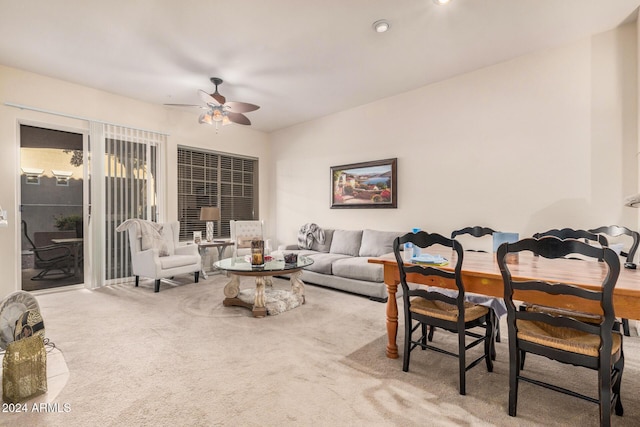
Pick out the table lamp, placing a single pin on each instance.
(209, 214)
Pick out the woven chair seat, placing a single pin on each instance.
(556, 311)
(567, 339)
(442, 310)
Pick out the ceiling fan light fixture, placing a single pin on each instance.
(441, 2)
(206, 118)
(381, 26)
(217, 114)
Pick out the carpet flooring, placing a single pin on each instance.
(180, 358)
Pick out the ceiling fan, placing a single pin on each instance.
(219, 110)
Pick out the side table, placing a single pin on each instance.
(203, 248)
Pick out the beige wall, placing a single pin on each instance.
(545, 140)
(34, 90)
(542, 141)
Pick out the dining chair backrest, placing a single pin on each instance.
(424, 240)
(570, 233)
(617, 231)
(496, 304)
(476, 231)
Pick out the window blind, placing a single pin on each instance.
(130, 189)
(209, 178)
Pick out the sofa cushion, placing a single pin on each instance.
(377, 243)
(346, 242)
(326, 246)
(322, 262)
(358, 268)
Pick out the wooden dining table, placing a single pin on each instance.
(481, 275)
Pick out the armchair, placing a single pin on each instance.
(242, 232)
(160, 256)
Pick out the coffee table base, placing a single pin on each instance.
(256, 300)
(257, 311)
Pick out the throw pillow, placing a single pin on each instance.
(326, 246)
(377, 243)
(346, 242)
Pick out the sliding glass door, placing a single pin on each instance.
(52, 201)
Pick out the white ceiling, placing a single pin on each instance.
(297, 59)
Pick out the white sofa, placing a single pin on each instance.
(341, 262)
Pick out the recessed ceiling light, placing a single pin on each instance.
(439, 2)
(381, 26)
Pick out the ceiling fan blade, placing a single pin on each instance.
(241, 107)
(238, 118)
(221, 99)
(207, 99)
(186, 105)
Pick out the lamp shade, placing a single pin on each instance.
(209, 213)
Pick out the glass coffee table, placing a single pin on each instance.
(238, 267)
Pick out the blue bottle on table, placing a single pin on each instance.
(409, 249)
(416, 249)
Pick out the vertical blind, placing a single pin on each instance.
(131, 189)
(208, 178)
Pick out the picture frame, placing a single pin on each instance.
(365, 185)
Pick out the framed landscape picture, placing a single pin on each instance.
(364, 185)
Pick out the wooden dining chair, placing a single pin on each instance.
(571, 233)
(629, 256)
(478, 232)
(570, 337)
(617, 231)
(423, 308)
(565, 233)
